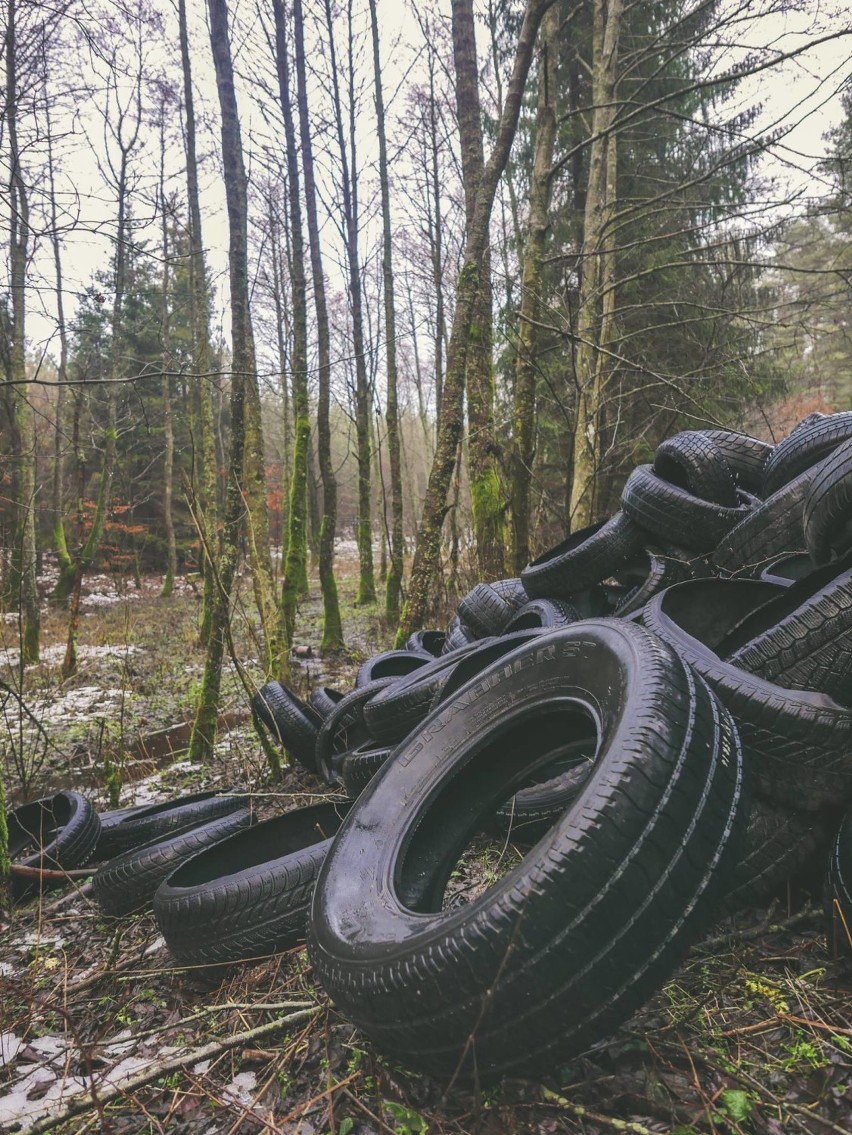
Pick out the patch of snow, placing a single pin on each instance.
(38, 938)
(241, 1087)
(157, 945)
(6, 969)
(52, 1046)
(201, 1067)
(10, 1046)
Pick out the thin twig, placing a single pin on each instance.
(624, 1125)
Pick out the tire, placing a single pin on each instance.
(512, 591)
(694, 462)
(808, 643)
(390, 664)
(393, 713)
(562, 949)
(290, 721)
(56, 833)
(771, 530)
(458, 636)
(665, 511)
(786, 570)
(778, 844)
(805, 447)
(638, 582)
(484, 611)
(128, 882)
(584, 559)
(323, 699)
(798, 744)
(827, 512)
(427, 642)
(543, 614)
(247, 897)
(359, 766)
(838, 891)
(141, 825)
(344, 729)
(746, 457)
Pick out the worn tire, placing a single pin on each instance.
(62, 832)
(778, 844)
(484, 611)
(798, 744)
(247, 897)
(426, 642)
(390, 664)
(639, 580)
(827, 512)
(323, 699)
(562, 949)
(457, 636)
(745, 456)
(359, 766)
(345, 727)
(805, 447)
(543, 614)
(140, 825)
(393, 713)
(773, 529)
(694, 462)
(668, 512)
(292, 722)
(784, 571)
(583, 559)
(128, 882)
(512, 591)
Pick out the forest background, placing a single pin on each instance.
(429, 278)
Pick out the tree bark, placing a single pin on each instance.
(597, 296)
(19, 232)
(397, 539)
(165, 336)
(527, 363)
(485, 491)
(349, 186)
(450, 427)
(296, 562)
(332, 629)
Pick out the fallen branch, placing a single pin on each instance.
(48, 873)
(141, 1079)
(710, 945)
(624, 1125)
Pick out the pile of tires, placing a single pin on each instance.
(657, 717)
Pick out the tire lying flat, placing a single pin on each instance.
(140, 825)
(60, 832)
(564, 947)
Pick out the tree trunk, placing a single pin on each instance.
(296, 563)
(437, 244)
(332, 629)
(19, 232)
(165, 335)
(485, 493)
(349, 184)
(596, 304)
(204, 728)
(283, 364)
(208, 481)
(397, 539)
(450, 427)
(527, 362)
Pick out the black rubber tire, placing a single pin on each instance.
(457, 637)
(323, 699)
(395, 712)
(667, 512)
(798, 744)
(772, 529)
(804, 448)
(787, 570)
(838, 891)
(484, 611)
(247, 896)
(827, 512)
(543, 614)
(778, 844)
(638, 581)
(141, 825)
(292, 722)
(694, 462)
(808, 643)
(109, 820)
(583, 559)
(344, 728)
(55, 833)
(128, 882)
(359, 766)
(427, 642)
(562, 949)
(390, 664)
(746, 457)
(512, 591)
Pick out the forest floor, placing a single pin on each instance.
(752, 1035)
